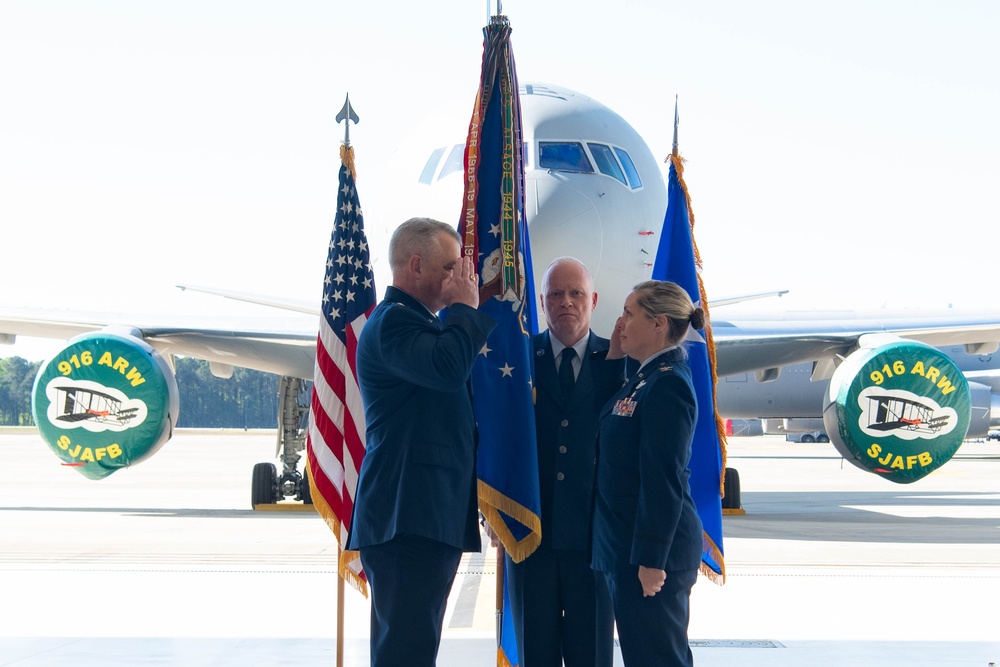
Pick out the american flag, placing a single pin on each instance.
(335, 444)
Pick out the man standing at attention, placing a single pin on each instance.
(415, 510)
(562, 611)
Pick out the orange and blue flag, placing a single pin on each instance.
(494, 232)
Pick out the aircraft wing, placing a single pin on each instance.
(245, 342)
(286, 345)
(757, 345)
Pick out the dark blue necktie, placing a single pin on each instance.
(566, 378)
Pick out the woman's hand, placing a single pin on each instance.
(615, 350)
(651, 580)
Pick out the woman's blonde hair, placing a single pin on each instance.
(662, 297)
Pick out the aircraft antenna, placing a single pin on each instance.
(675, 152)
(347, 113)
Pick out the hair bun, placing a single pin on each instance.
(698, 318)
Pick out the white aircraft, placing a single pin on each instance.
(593, 191)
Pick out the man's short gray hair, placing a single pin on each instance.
(414, 237)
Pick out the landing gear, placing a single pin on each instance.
(293, 422)
(731, 486)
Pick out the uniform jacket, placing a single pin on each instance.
(644, 513)
(567, 453)
(418, 476)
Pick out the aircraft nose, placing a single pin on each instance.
(562, 221)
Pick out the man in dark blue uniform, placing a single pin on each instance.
(415, 510)
(562, 611)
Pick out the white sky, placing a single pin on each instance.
(846, 151)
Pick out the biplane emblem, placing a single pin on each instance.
(92, 406)
(902, 413)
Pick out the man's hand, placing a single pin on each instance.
(651, 580)
(462, 286)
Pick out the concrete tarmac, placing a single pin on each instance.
(166, 564)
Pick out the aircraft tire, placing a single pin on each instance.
(305, 492)
(823, 438)
(807, 438)
(731, 481)
(263, 489)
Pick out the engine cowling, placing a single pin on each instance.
(105, 401)
(897, 408)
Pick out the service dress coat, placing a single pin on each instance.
(418, 477)
(644, 513)
(566, 436)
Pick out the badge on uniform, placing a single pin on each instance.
(624, 408)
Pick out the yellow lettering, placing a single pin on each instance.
(100, 452)
(897, 463)
(87, 455)
(918, 368)
(63, 442)
(884, 460)
(121, 363)
(925, 458)
(105, 360)
(945, 386)
(75, 452)
(135, 377)
(114, 451)
(874, 451)
(932, 374)
(910, 461)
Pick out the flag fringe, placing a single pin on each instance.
(709, 545)
(346, 557)
(502, 660)
(347, 158)
(720, 426)
(491, 503)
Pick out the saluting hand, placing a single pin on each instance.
(615, 350)
(462, 286)
(651, 580)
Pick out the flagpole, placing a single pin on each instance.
(676, 150)
(347, 116)
(501, 573)
(340, 614)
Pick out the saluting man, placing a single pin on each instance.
(416, 507)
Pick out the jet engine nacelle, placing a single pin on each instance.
(105, 401)
(898, 408)
(984, 406)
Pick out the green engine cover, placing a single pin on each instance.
(899, 409)
(104, 402)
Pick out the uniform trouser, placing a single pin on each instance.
(410, 579)
(653, 630)
(562, 610)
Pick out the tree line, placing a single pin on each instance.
(249, 399)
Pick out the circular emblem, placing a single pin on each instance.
(900, 410)
(104, 402)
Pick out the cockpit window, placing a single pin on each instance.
(606, 162)
(630, 170)
(564, 156)
(427, 175)
(455, 161)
